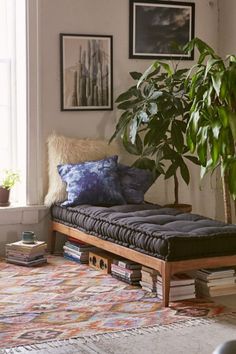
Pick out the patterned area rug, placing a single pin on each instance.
(62, 300)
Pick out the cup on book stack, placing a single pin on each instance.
(28, 237)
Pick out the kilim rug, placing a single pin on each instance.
(63, 299)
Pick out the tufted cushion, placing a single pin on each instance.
(164, 233)
(134, 183)
(93, 182)
(64, 150)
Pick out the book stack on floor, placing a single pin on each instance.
(215, 282)
(127, 271)
(26, 254)
(149, 279)
(77, 251)
(182, 286)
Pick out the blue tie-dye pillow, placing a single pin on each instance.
(92, 182)
(134, 183)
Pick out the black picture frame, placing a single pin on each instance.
(158, 28)
(86, 72)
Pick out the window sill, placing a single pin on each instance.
(21, 214)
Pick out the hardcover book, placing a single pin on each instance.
(215, 273)
(72, 258)
(126, 272)
(25, 263)
(125, 263)
(178, 290)
(150, 270)
(179, 279)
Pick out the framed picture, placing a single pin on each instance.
(86, 72)
(158, 29)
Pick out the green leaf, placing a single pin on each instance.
(152, 108)
(217, 81)
(133, 130)
(195, 117)
(232, 123)
(232, 58)
(129, 146)
(184, 172)
(135, 75)
(202, 153)
(128, 104)
(139, 144)
(216, 129)
(224, 87)
(121, 125)
(125, 96)
(190, 143)
(224, 117)
(167, 68)
(155, 95)
(143, 117)
(177, 137)
(145, 74)
(210, 63)
(159, 156)
(171, 171)
(202, 46)
(194, 159)
(215, 151)
(154, 72)
(149, 150)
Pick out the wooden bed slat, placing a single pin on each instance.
(166, 269)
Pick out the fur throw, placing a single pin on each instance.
(62, 150)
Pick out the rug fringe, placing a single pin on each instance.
(86, 340)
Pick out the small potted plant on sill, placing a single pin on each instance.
(154, 121)
(8, 179)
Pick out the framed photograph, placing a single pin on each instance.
(158, 29)
(86, 72)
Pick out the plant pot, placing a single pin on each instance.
(185, 208)
(4, 196)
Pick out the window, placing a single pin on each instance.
(13, 91)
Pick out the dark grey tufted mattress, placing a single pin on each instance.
(164, 233)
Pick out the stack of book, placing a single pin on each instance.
(127, 271)
(26, 254)
(182, 286)
(215, 282)
(149, 279)
(77, 251)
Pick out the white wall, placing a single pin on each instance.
(227, 27)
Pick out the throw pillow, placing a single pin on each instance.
(64, 150)
(93, 182)
(134, 183)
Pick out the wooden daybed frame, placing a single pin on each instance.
(165, 268)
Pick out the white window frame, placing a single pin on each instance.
(34, 190)
(30, 213)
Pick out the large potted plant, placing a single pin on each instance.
(211, 130)
(8, 179)
(154, 120)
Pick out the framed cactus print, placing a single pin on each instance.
(86, 72)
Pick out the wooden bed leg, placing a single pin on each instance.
(166, 275)
(52, 240)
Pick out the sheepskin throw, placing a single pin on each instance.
(64, 150)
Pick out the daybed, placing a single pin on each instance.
(161, 238)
